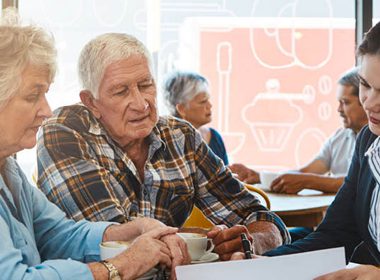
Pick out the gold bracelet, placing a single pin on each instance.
(113, 273)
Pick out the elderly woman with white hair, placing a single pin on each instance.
(37, 240)
(188, 97)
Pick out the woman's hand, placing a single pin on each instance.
(145, 253)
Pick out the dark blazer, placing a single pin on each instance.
(346, 220)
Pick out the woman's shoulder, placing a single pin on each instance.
(365, 139)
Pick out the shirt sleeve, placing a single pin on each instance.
(325, 153)
(339, 227)
(73, 179)
(11, 265)
(59, 237)
(222, 198)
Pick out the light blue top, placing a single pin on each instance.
(40, 247)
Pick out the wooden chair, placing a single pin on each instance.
(198, 220)
(260, 192)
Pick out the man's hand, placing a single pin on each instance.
(178, 249)
(245, 174)
(227, 240)
(361, 272)
(289, 183)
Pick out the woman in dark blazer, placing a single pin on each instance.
(354, 216)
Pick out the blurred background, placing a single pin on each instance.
(273, 65)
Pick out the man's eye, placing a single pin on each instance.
(32, 98)
(121, 92)
(145, 85)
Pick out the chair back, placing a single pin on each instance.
(198, 220)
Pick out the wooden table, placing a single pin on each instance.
(305, 209)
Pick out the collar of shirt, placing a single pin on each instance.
(154, 140)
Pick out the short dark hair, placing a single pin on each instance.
(351, 78)
(371, 42)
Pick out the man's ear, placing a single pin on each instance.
(89, 101)
(181, 110)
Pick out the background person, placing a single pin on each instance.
(37, 240)
(327, 170)
(353, 217)
(188, 97)
(113, 158)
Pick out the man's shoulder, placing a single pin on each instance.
(174, 125)
(76, 117)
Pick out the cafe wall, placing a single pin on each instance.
(272, 64)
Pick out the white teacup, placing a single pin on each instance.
(266, 179)
(197, 244)
(110, 249)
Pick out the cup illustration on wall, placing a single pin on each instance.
(289, 42)
(234, 140)
(272, 116)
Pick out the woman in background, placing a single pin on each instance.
(188, 97)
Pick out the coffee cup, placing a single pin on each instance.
(110, 249)
(197, 244)
(266, 179)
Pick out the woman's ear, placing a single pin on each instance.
(181, 110)
(90, 102)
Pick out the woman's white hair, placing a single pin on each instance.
(181, 87)
(21, 46)
(101, 52)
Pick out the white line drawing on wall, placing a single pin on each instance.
(223, 67)
(107, 17)
(312, 133)
(173, 13)
(325, 84)
(309, 93)
(292, 53)
(234, 140)
(272, 116)
(324, 111)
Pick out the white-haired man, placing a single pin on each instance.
(113, 158)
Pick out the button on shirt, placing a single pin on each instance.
(37, 243)
(88, 175)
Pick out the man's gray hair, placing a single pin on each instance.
(101, 52)
(351, 78)
(181, 87)
(21, 46)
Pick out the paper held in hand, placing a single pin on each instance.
(303, 266)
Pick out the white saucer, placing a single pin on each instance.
(210, 257)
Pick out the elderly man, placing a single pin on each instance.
(327, 170)
(113, 158)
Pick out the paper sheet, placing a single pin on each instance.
(303, 266)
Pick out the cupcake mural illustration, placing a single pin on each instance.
(272, 116)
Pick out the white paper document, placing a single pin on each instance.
(303, 266)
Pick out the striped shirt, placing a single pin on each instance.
(83, 171)
(373, 154)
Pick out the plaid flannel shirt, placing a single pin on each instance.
(84, 172)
